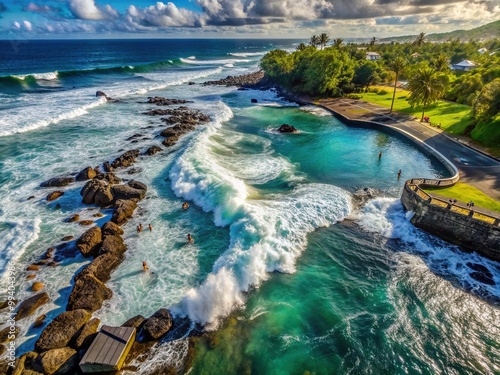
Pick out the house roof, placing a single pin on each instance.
(373, 54)
(465, 63)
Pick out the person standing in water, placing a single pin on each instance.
(380, 155)
(185, 205)
(190, 239)
(145, 266)
(150, 227)
(399, 174)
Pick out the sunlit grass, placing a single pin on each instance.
(466, 193)
(452, 117)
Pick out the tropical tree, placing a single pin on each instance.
(426, 86)
(337, 43)
(441, 63)
(301, 47)
(314, 41)
(323, 39)
(397, 66)
(487, 104)
(372, 42)
(419, 40)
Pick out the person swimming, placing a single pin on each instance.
(190, 239)
(150, 227)
(145, 266)
(185, 205)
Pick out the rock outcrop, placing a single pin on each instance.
(61, 361)
(128, 191)
(158, 324)
(158, 100)
(88, 293)
(125, 160)
(98, 192)
(285, 128)
(136, 322)
(62, 331)
(124, 209)
(29, 306)
(57, 182)
(153, 150)
(89, 242)
(86, 174)
(243, 80)
(54, 195)
(87, 334)
(111, 229)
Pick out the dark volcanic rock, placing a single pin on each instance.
(136, 322)
(158, 324)
(89, 242)
(54, 195)
(158, 100)
(124, 210)
(285, 128)
(153, 150)
(243, 80)
(113, 245)
(88, 293)
(62, 330)
(125, 160)
(111, 229)
(254, 100)
(29, 306)
(109, 177)
(86, 174)
(107, 167)
(134, 170)
(58, 182)
(481, 274)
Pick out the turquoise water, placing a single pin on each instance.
(288, 273)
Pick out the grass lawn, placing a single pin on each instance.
(453, 117)
(466, 193)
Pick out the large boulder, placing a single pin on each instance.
(6, 332)
(109, 177)
(127, 192)
(101, 267)
(60, 361)
(63, 330)
(136, 322)
(125, 160)
(111, 229)
(112, 245)
(88, 293)
(86, 174)
(29, 306)
(158, 324)
(87, 334)
(24, 363)
(54, 195)
(57, 182)
(124, 210)
(153, 150)
(98, 192)
(285, 128)
(89, 242)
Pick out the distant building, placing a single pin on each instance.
(482, 50)
(415, 55)
(464, 65)
(372, 56)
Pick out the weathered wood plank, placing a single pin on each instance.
(108, 350)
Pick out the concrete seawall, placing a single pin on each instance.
(472, 231)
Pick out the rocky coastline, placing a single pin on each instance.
(62, 343)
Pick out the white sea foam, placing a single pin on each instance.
(49, 76)
(318, 111)
(16, 237)
(265, 235)
(195, 61)
(386, 217)
(247, 54)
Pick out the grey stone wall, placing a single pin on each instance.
(469, 233)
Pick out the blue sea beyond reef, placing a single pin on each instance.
(288, 272)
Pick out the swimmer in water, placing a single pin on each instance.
(185, 205)
(190, 239)
(145, 266)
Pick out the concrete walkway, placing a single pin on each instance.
(476, 168)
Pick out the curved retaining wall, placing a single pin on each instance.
(464, 227)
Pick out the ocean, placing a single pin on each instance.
(288, 272)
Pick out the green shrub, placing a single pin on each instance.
(383, 92)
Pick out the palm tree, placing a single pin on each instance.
(420, 40)
(323, 39)
(337, 43)
(397, 66)
(441, 63)
(314, 41)
(301, 47)
(425, 87)
(372, 42)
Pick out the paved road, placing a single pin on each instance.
(476, 168)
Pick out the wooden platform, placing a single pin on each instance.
(108, 350)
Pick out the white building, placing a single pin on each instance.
(464, 65)
(372, 56)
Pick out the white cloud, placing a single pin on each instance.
(88, 10)
(163, 15)
(27, 25)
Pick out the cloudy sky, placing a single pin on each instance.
(240, 18)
